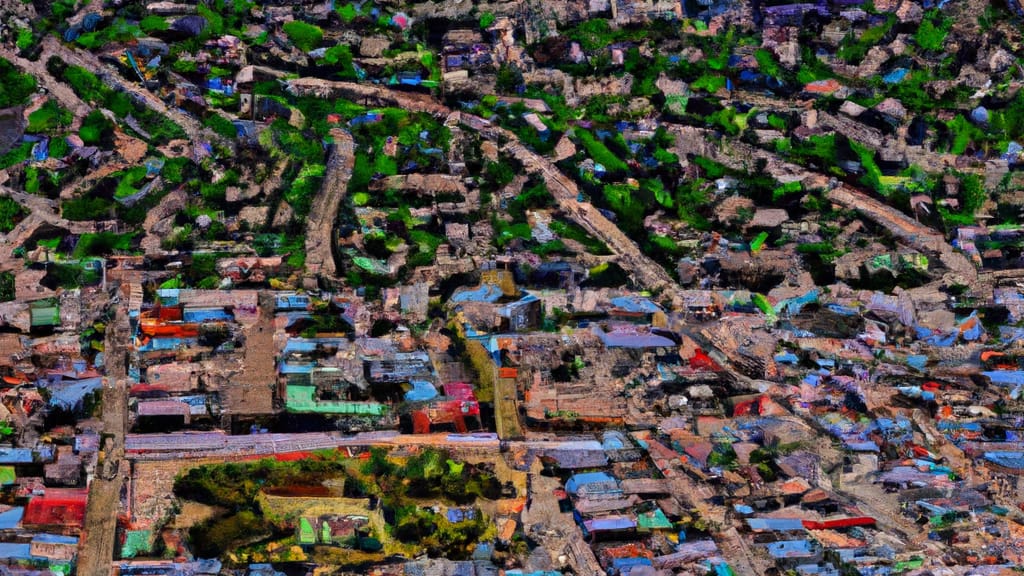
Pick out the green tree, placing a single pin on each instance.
(508, 79)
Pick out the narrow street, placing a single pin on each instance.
(96, 547)
(324, 212)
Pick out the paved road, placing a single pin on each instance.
(324, 212)
(99, 534)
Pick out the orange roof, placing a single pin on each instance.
(507, 530)
(823, 86)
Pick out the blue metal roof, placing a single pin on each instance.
(483, 293)
(10, 519)
(69, 394)
(54, 539)
(15, 456)
(636, 304)
(577, 481)
(1006, 459)
(421, 391)
(1006, 377)
(775, 524)
(207, 315)
(15, 551)
(791, 549)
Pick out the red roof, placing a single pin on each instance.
(839, 523)
(63, 507)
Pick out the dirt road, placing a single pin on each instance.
(99, 534)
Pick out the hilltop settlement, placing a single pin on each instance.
(524, 288)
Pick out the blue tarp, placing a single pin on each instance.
(791, 549)
(291, 302)
(775, 524)
(296, 367)
(935, 338)
(613, 440)
(1005, 377)
(625, 564)
(54, 539)
(15, 456)
(15, 551)
(167, 344)
(787, 358)
(842, 310)
(636, 304)
(793, 306)
(456, 515)
(633, 339)
(9, 520)
(1011, 333)
(867, 446)
(421, 391)
(68, 394)
(484, 293)
(895, 76)
(1013, 460)
(207, 315)
(917, 361)
(577, 481)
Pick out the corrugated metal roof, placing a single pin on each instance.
(775, 524)
(791, 549)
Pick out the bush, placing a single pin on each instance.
(600, 153)
(48, 117)
(931, 34)
(18, 87)
(84, 83)
(220, 125)
(102, 244)
(10, 213)
(153, 23)
(7, 289)
(96, 128)
(86, 208)
(305, 37)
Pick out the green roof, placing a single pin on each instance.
(7, 475)
(306, 533)
(301, 398)
(45, 315)
(136, 543)
(655, 520)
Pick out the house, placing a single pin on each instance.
(59, 510)
(45, 314)
(54, 547)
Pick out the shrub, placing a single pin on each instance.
(153, 23)
(86, 208)
(96, 128)
(48, 117)
(305, 37)
(220, 125)
(18, 87)
(10, 213)
(600, 153)
(7, 290)
(931, 34)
